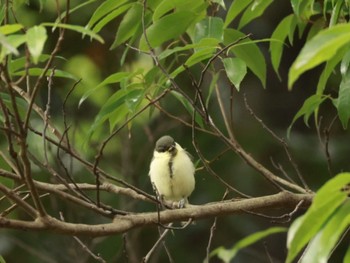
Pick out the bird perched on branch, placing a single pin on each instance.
(172, 172)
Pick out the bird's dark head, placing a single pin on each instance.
(165, 143)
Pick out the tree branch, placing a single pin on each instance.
(121, 224)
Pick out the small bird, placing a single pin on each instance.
(172, 172)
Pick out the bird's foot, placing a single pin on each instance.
(181, 203)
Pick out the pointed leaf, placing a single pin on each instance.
(105, 8)
(129, 25)
(281, 32)
(343, 101)
(179, 5)
(326, 201)
(164, 29)
(255, 10)
(250, 54)
(210, 27)
(39, 72)
(227, 255)
(235, 69)
(322, 245)
(114, 78)
(84, 31)
(10, 29)
(236, 7)
(319, 49)
(310, 105)
(112, 15)
(10, 44)
(36, 38)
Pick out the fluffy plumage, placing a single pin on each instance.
(172, 171)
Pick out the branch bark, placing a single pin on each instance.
(121, 224)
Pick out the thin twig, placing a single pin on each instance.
(84, 247)
(160, 239)
(212, 230)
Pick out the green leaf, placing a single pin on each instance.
(2, 260)
(105, 8)
(112, 105)
(325, 202)
(249, 53)
(36, 38)
(322, 245)
(163, 29)
(281, 32)
(114, 78)
(129, 25)
(235, 69)
(199, 56)
(255, 10)
(204, 43)
(179, 5)
(188, 106)
(210, 27)
(17, 64)
(227, 255)
(10, 44)
(310, 105)
(10, 29)
(73, 10)
(236, 7)
(343, 101)
(39, 72)
(347, 256)
(212, 86)
(319, 49)
(84, 31)
(303, 8)
(329, 69)
(336, 12)
(112, 15)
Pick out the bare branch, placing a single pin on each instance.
(125, 223)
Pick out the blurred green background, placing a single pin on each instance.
(129, 153)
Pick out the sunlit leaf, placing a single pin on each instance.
(10, 44)
(326, 201)
(322, 245)
(227, 255)
(84, 31)
(235, 69)
(319, 49)
(36, 38)
(10, 29)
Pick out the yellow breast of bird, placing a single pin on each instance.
(179, 183)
